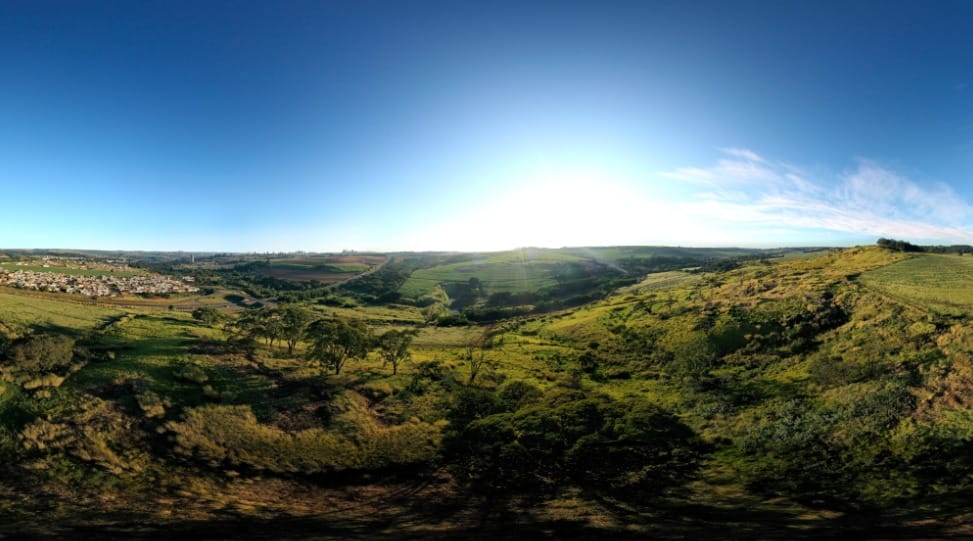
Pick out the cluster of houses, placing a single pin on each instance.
(95, 286)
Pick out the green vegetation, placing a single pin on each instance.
(514, 271)
(797, 396)
(27, 310)
(942, 282)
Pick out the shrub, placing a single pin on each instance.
(220, 434)
(39, 353)
(191, 373)
(151, 404)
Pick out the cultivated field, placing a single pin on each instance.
(325, 269)
(511, 271)
(942, 282)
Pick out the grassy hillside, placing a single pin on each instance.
(325, 269)
(531, 269)
(794, 397)
(44, 310)
(940, 282)
(513, 271)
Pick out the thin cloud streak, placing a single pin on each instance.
(746, 189)
(743, 153)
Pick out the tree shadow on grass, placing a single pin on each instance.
(49, 328)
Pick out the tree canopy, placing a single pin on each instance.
(334, 341)
(393, 346)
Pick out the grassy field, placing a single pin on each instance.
(944, 282)
(375, 314)
(325, 269)
(511, 271)
(529, 269)
(663, 281)
(48, 311)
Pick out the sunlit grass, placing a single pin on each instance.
(942, 281)
(29, 310)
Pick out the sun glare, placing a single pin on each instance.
(571, 209)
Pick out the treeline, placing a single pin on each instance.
(903, 246)
(332, 342)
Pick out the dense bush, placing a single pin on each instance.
(231, 435)
(40, 353)
(627, 448)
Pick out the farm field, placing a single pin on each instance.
(943, 282)
(324, 269)
(512, 271)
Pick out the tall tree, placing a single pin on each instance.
(272, 324)
(295, 321)
(393, 346)
(247, 327)
(207, 315)
(334, 341)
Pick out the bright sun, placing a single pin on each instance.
(552, 211)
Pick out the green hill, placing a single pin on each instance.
(780, 398)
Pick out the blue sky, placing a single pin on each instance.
(321, 126)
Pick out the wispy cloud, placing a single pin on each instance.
(743, 153)
(742, 166)
(746, 190)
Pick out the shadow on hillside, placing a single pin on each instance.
(459, 520)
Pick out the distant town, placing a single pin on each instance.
(101, 282)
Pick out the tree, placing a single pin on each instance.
(266, 323)
(39, 353)
(207, 315)
(625, 449)
(898, 245)
(475, 354)
(334, 341)
(272, 324)
(393, 346)
(247, 327)
(295, 321)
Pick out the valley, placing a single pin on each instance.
(788, 396)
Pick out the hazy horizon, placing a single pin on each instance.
(354, 251)
(446, 126)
